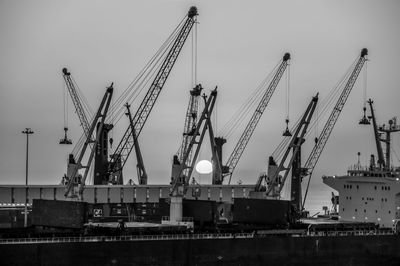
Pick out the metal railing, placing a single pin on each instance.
(186, 237)
(123, 238)
(349, 233)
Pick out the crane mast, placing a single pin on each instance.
(141, 170)
(180, 180)
(384, 163)
(381, 159)
(278, 182)
(190, 123)
(124, 148)
(178, 177)
(75, 178)
(246, 135)
(330, 123)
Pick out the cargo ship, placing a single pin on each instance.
(109, 223)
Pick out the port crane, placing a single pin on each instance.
(124, 148)
(100, 159)
(75, 179)
(237, 152)
(330, 123)
(275, 180)
(83, 119)
(180, 180)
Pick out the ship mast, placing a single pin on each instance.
(384, 163)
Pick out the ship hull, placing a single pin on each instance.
(268, 250)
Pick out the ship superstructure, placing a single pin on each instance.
(371, 193)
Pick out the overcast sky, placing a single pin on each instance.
(239, 43)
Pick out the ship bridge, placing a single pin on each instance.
(368, 195)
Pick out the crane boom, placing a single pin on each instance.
(77, 103)
(126, 144)
(245, 137)
(330, 123)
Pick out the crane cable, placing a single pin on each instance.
(193, 77)
(251, 102)
(89, 114)
(324, 106)
(65, 103)
(287, 93)
(117, 109)
(346, 77)
(365, 87)
(141, 80)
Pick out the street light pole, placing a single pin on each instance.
(27, 131)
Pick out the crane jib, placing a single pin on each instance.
(247, 133)
(125, 146)
(324, 136)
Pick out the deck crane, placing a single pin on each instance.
(383, 161)
(101, 156)
(180, 180)
(330, 123)
(124, 148)
(246, 135)
(276, 182)
(190, 123)
(83, 119)
(75, 179)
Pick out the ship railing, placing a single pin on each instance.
(124, 238)
(184, 219)
(360, 170)
(350, 233)
(183, 237)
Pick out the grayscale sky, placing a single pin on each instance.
(239, 42)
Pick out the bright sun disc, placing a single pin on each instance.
(204, 167)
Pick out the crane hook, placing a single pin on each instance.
(364, 120)
(65, 140)
(287, 133)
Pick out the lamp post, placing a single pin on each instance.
(27, 131)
